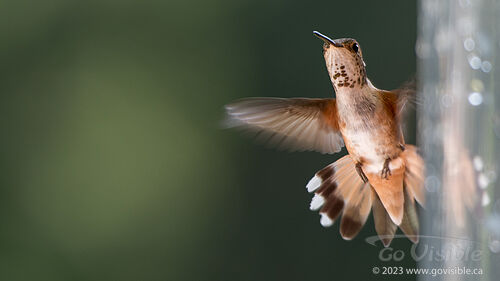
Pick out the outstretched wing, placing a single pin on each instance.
(296, 123)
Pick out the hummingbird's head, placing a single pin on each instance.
(344, 62)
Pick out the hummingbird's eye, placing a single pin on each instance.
(355, 47)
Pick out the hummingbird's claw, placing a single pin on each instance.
(361, 173)
(386, 172)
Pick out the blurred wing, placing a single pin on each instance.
(297, 123)
(406, 96)
(398, 101)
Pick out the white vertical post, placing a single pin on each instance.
(459, 120)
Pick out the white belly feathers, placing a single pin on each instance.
(367, 145)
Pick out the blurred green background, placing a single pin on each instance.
(114, 164)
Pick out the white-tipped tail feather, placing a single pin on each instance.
(313, 184)
(338, 190)
(325, 220)
(316, 202)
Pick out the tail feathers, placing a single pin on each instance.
(410, 225)
(414, 173)
(383, 223)
(413, 191)
(338, 189)
(356, 212)
(386, 228)
(390, 191)
(410, 173)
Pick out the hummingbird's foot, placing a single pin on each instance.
(361, 173)
(402, 146)
(386, 172)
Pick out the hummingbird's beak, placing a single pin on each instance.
(326, 39)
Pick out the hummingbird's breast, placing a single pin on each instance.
(370, 132)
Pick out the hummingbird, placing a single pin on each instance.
(380, 172)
